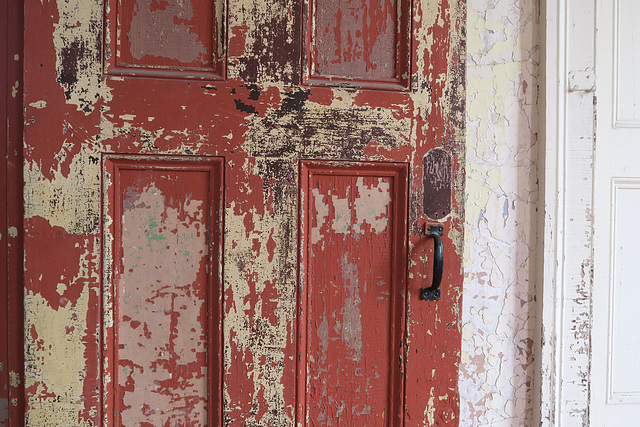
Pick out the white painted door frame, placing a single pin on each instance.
(566, 254)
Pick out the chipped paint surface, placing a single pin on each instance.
(252, 118)
(354, 300)
(496, 372)
(173, 35)
(162, 306)
(358, 42)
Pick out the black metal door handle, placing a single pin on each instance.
(433, 293)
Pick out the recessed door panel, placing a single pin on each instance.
(172, 38)
(354, 43)
(353, 301)
(162, 353)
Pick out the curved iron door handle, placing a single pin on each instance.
(433, 293)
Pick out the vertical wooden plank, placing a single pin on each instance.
(11, 300)
(567, 281)
(352, 299)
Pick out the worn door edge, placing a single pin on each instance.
(11, 289)
(564, 312)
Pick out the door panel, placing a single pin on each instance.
(353, 293)
(177, 245)
(362, 44)
(615, 394)
(182, 39)
(623, 373)
(162, 323)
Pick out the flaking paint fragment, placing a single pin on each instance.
(14, 379)
(77, 41)
(322, 210)
(372, 205)
(38, 104)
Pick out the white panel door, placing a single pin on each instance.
(615, 387)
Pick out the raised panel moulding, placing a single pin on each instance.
(351, 332)
(162, 315)
(165, 38)
(627, 58)
(623, 373)
(358, 44)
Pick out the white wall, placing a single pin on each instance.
(498, 319)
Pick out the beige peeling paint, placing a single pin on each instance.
(496, 371)
(369, 207)
(14, 379)
(60, 367)
(372, 205)
(269, 338)
(44, 197)
(76, 31)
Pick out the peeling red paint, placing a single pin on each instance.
(251, 118)
(358, 43)
(168, 38)
(166, 355)
(353, 296)
(65, 255)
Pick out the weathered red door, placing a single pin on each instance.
(225, 205)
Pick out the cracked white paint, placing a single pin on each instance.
(498, 315)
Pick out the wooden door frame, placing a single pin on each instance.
(565, 254)
(11, 289)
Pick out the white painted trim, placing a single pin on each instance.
(618, 184)
(552, 101)
(567, 155)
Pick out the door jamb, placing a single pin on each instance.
(565, 252)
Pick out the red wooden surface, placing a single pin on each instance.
(262, 122)
(166, 355)
(356, 43)
(11, 311)
(352, 329)
(165, 37)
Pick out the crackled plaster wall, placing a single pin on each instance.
(498, 321)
